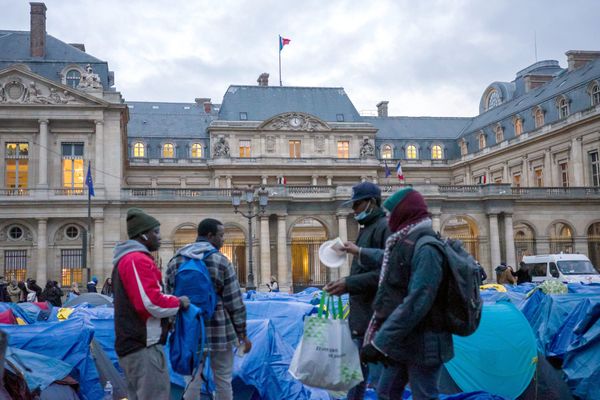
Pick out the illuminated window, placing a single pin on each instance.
(168, 150)
(139, 150)
(518, 126)
(563, 108)
(72, 165)
(516, 181)
(17, 165)
(244, 148)
(539, 117)
(196, 150)
(563, 167)
(436, 152)
(343, 149)
(15, 265)
(386, 151)
(73, 78)
(411, 152)
(595, 93)
(71, 266)
(538, 175)
(295, 148)
(482, 141)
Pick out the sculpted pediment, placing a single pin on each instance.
(22, 87)
(295, 121)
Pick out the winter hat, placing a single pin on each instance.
(407, 206)
(396, 198)
(139, 222)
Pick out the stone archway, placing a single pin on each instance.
(593, 239)
(184, 235)
(561, 238)
(234, 249)
(524, 237)
(464, 229)
(307, 235)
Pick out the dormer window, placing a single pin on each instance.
(386, 151)
(139, 150)
(563, 107)
(538, 115)
(73, 78)
(168, 150)
(482, 141)
(196, 150)
(499, 131)
(518, 122)
(243, 116)
(493, 99)
(411, 152)
(595, 92)
(463, 147)
(436, 152)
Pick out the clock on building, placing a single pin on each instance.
(295, 122)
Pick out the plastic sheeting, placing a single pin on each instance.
(500, 357)
(68, 341)
(287, 317)
(39, 370)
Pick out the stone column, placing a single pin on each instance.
(99, 161)
(525, 173)
(282, 260)
(265, 253)
(42, 250)
(217, 183)
(577, 161)
(494, 239)
(100, 269)
(505, 174)
(315, 180)
(329, 180)
(43, 159)
(436, 223)
(468, 180)
(343, 234)
(228, 181)
(548, 169)
(509, 241)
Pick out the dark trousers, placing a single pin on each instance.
(358, 391)
(423, 382)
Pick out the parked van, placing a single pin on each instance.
(569, 268)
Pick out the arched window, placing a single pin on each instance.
(499, 133)
(482, 141)
(563, 108)
(168, 150)
(518, 126)
(493, 100)
(595, 92)
(463, 147)
(73, 78)
(386, 151)
(538, 114)
(411, 152)
(196, 150)
(139, 149)
(436, 152)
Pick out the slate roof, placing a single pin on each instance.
(263, 102)
(176, 120)
(418, 127)
(15, 48)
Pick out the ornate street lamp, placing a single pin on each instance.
(236, 201)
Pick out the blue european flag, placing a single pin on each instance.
(387, 169)
(88, 180)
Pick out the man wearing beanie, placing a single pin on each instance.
(364, 271)
(407, 332)
(142, 310)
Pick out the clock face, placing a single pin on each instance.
(295, 122)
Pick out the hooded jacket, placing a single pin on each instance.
(141, 308)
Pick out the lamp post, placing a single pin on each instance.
(236, 201)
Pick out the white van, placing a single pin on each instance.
(569, 268)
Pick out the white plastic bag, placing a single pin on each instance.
(327, 357)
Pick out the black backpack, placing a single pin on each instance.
(464, 303)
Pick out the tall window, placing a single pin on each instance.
(196, 150)
(244, 148)
(499, 134)
(538, 175)
(71, 266)
(595, 168)
(516, 180)
(139, 150)
(595, 92)
(482, 141)
(463, 147)
(563, 167)
(386, 151)
(436, 152)
(343, 149)
(295, 148)
(411, 152)
(73, 78)
(72, 165)
(539, 117)
(518, 126)
(15, 265)
(563, 108)
(168, 150)
(17, 165)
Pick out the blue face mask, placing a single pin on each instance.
(364, 214)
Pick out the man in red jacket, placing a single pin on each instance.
(142, 310)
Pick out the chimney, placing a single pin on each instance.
(79, 46)
(382, 108)
(37, 34)
(578, 58)
(205, 101)
(533, 81)
(263, 79)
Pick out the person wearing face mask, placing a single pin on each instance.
(367, 254)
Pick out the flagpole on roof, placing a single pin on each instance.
(280, 47)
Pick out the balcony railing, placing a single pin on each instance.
(176, 194)
(70, 192)
(14, 192)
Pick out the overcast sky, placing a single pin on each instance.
(427, 58)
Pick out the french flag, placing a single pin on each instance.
(399, 171)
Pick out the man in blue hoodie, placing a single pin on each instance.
(228, 323)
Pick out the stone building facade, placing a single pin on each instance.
(521, 177)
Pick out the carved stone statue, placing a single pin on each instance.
(221, 149)
(270, 144)
(89, 80)
(320, 143)
(367, 149)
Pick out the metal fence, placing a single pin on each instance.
(15, 265)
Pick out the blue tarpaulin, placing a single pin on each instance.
(39, 370)
(287, 317)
